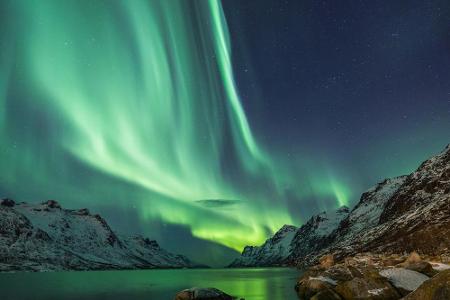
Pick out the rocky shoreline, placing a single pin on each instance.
(377, 276)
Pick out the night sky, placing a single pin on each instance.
(209, 125)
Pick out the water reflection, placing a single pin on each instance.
(251, 284)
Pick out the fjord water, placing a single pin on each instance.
(251, 284)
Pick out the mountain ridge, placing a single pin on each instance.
(400, 214)
(45, 237)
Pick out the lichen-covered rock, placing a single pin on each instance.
(357, 280)
(370, 285)
(404, 280)
(436, 288)
(202, 294)
(361, 288)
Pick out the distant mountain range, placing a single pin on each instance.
(43, 237)
(398, 215)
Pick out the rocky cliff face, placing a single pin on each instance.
(398, 215)
(40, 237)
(417, 216)
(354, 230)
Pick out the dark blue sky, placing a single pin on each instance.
(362, 85)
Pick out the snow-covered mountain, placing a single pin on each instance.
(291, 241)
(313, 235)
(398, 215)
(273, 252)
(402, 214)
(417, 216)
(40, 237)
(365, 215)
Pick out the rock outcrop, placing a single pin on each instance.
(42, 237)
(203, 294)
(372, 277)
(436, 288)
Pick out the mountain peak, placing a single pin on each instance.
(343, 210)
(287, 227)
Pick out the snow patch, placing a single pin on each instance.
(440, 266)
(324, 279)
(376, 291)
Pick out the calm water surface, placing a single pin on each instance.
(251, 284)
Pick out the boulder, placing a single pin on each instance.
(368, 285)
(403, 279)
(345, 281)
(436, 288)
(421, 267)
(202, 294)
(340, 272)
(311, 286)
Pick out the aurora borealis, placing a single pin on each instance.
(143, 109)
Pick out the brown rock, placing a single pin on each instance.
(311, 286)
(326, 261)
(370, 287)
(339, 272)
(202, 294)
(422, 267)
(436, 288)
(327, 294)
(390, 262)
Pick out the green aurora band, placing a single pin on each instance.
(133, 103)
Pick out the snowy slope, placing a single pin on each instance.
(365, 215)
(271, 253)
(314, 234)
(47, 237)
(290, 241)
